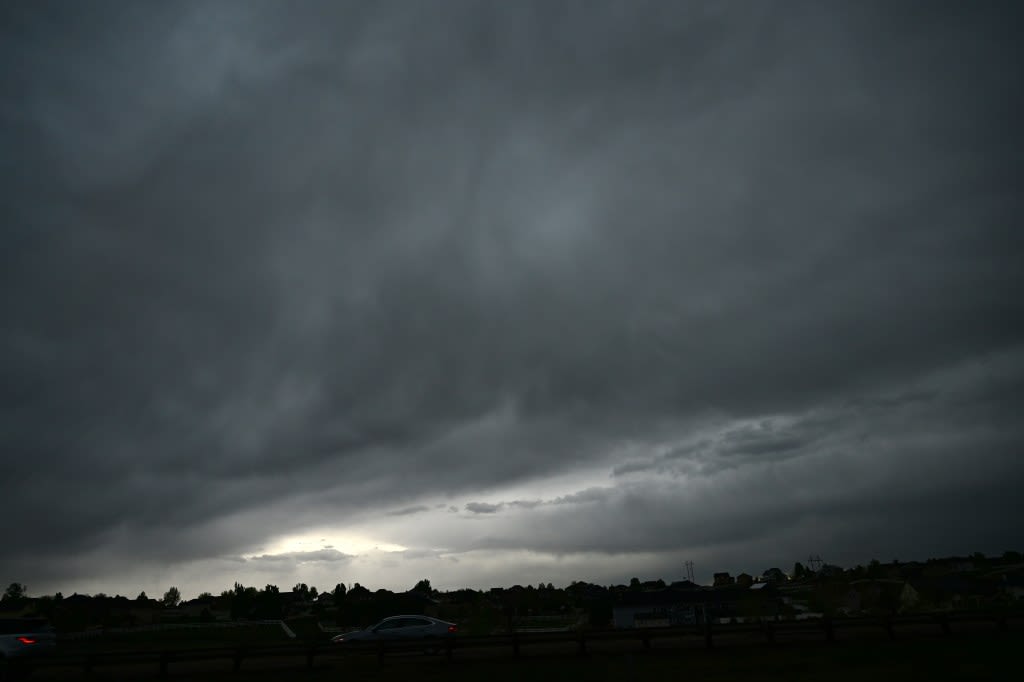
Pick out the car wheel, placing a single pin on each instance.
(431, 648)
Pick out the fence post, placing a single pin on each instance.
(164, 658)
(236, 659)
(830, 631)
(581, 649)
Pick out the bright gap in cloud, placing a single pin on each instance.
(326, 538)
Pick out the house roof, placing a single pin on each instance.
(666, 598)
(954, 584)
(670, 597)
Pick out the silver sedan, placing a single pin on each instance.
(400, 627)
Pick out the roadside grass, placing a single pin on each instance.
(974, 658)
(177, 639)
(977, 657)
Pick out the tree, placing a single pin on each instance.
(798, 571)
(15, 592)
(339, 594)
(359, 592)
(423, 586)
(142, 596)
(172, 597)
(242, 600)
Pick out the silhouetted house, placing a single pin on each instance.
(358, 593)
(205, 609)
(659, 608)
(722, 579)
(882, 596)
(830, 571)
(941, 567)
(78, 600)
(1008, 580)
(1012, 586)
(684, 585)
(292, 603)
(773, 575)
(760, 601)
(911, 569)
(744, 580)
(954, 592)
(415, 601)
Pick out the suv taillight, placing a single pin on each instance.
(452, 629)
(26, 640)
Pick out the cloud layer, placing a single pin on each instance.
(645, 281)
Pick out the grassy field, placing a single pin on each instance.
(178, 639)
(975, 657)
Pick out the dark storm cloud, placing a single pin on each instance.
(345, 256)
(581, 497)
(408, 511)
(889, 477)
(483, 507)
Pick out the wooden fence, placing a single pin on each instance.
(771, 632)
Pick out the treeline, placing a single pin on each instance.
(584, 603)
(357, 606)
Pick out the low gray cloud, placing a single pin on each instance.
(408, 511)
(583, 496)
(311, 556)
(634, 466)
(483, 507)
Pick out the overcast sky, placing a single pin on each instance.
(505, 292)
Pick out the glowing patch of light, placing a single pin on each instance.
(312, 541)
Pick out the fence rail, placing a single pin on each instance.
(771, 632)
(166, 627)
